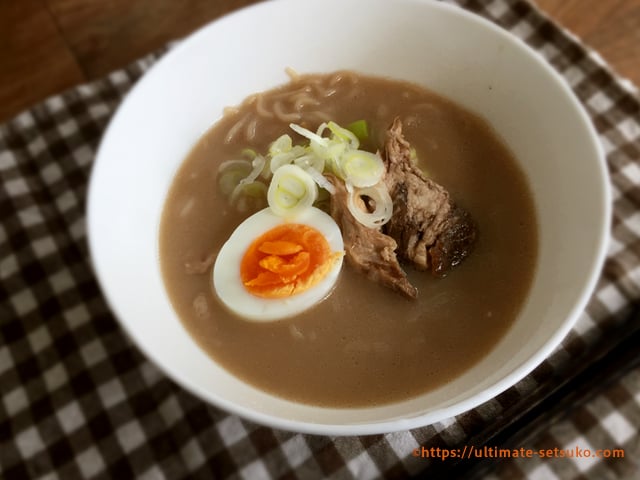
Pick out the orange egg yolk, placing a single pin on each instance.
(286, 260)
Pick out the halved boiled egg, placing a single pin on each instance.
(272, 268)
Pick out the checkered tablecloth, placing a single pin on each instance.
(79, 401)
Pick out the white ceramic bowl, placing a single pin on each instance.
(439, 46)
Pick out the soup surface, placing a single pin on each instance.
(364, 344)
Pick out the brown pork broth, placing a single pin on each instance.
(364, 344)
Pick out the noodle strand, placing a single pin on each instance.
(235, 129)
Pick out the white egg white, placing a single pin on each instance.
(226, 271)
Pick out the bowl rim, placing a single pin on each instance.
(395, 424)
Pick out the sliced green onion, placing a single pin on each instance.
(360, 168)
(282, 144)
(291, 191)
(286, 157)
(249, 153)
(360, 128)
(378, 197)
(231, 173)
(310, 161)
(332, 155)
(279, 160)
(249, 196)
(314, 137)
(343, 134)
(321, 180)
(296, 172)
(257, 165)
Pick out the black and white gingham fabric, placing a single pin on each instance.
(79, 401)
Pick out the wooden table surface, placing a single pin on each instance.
(47, 46)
